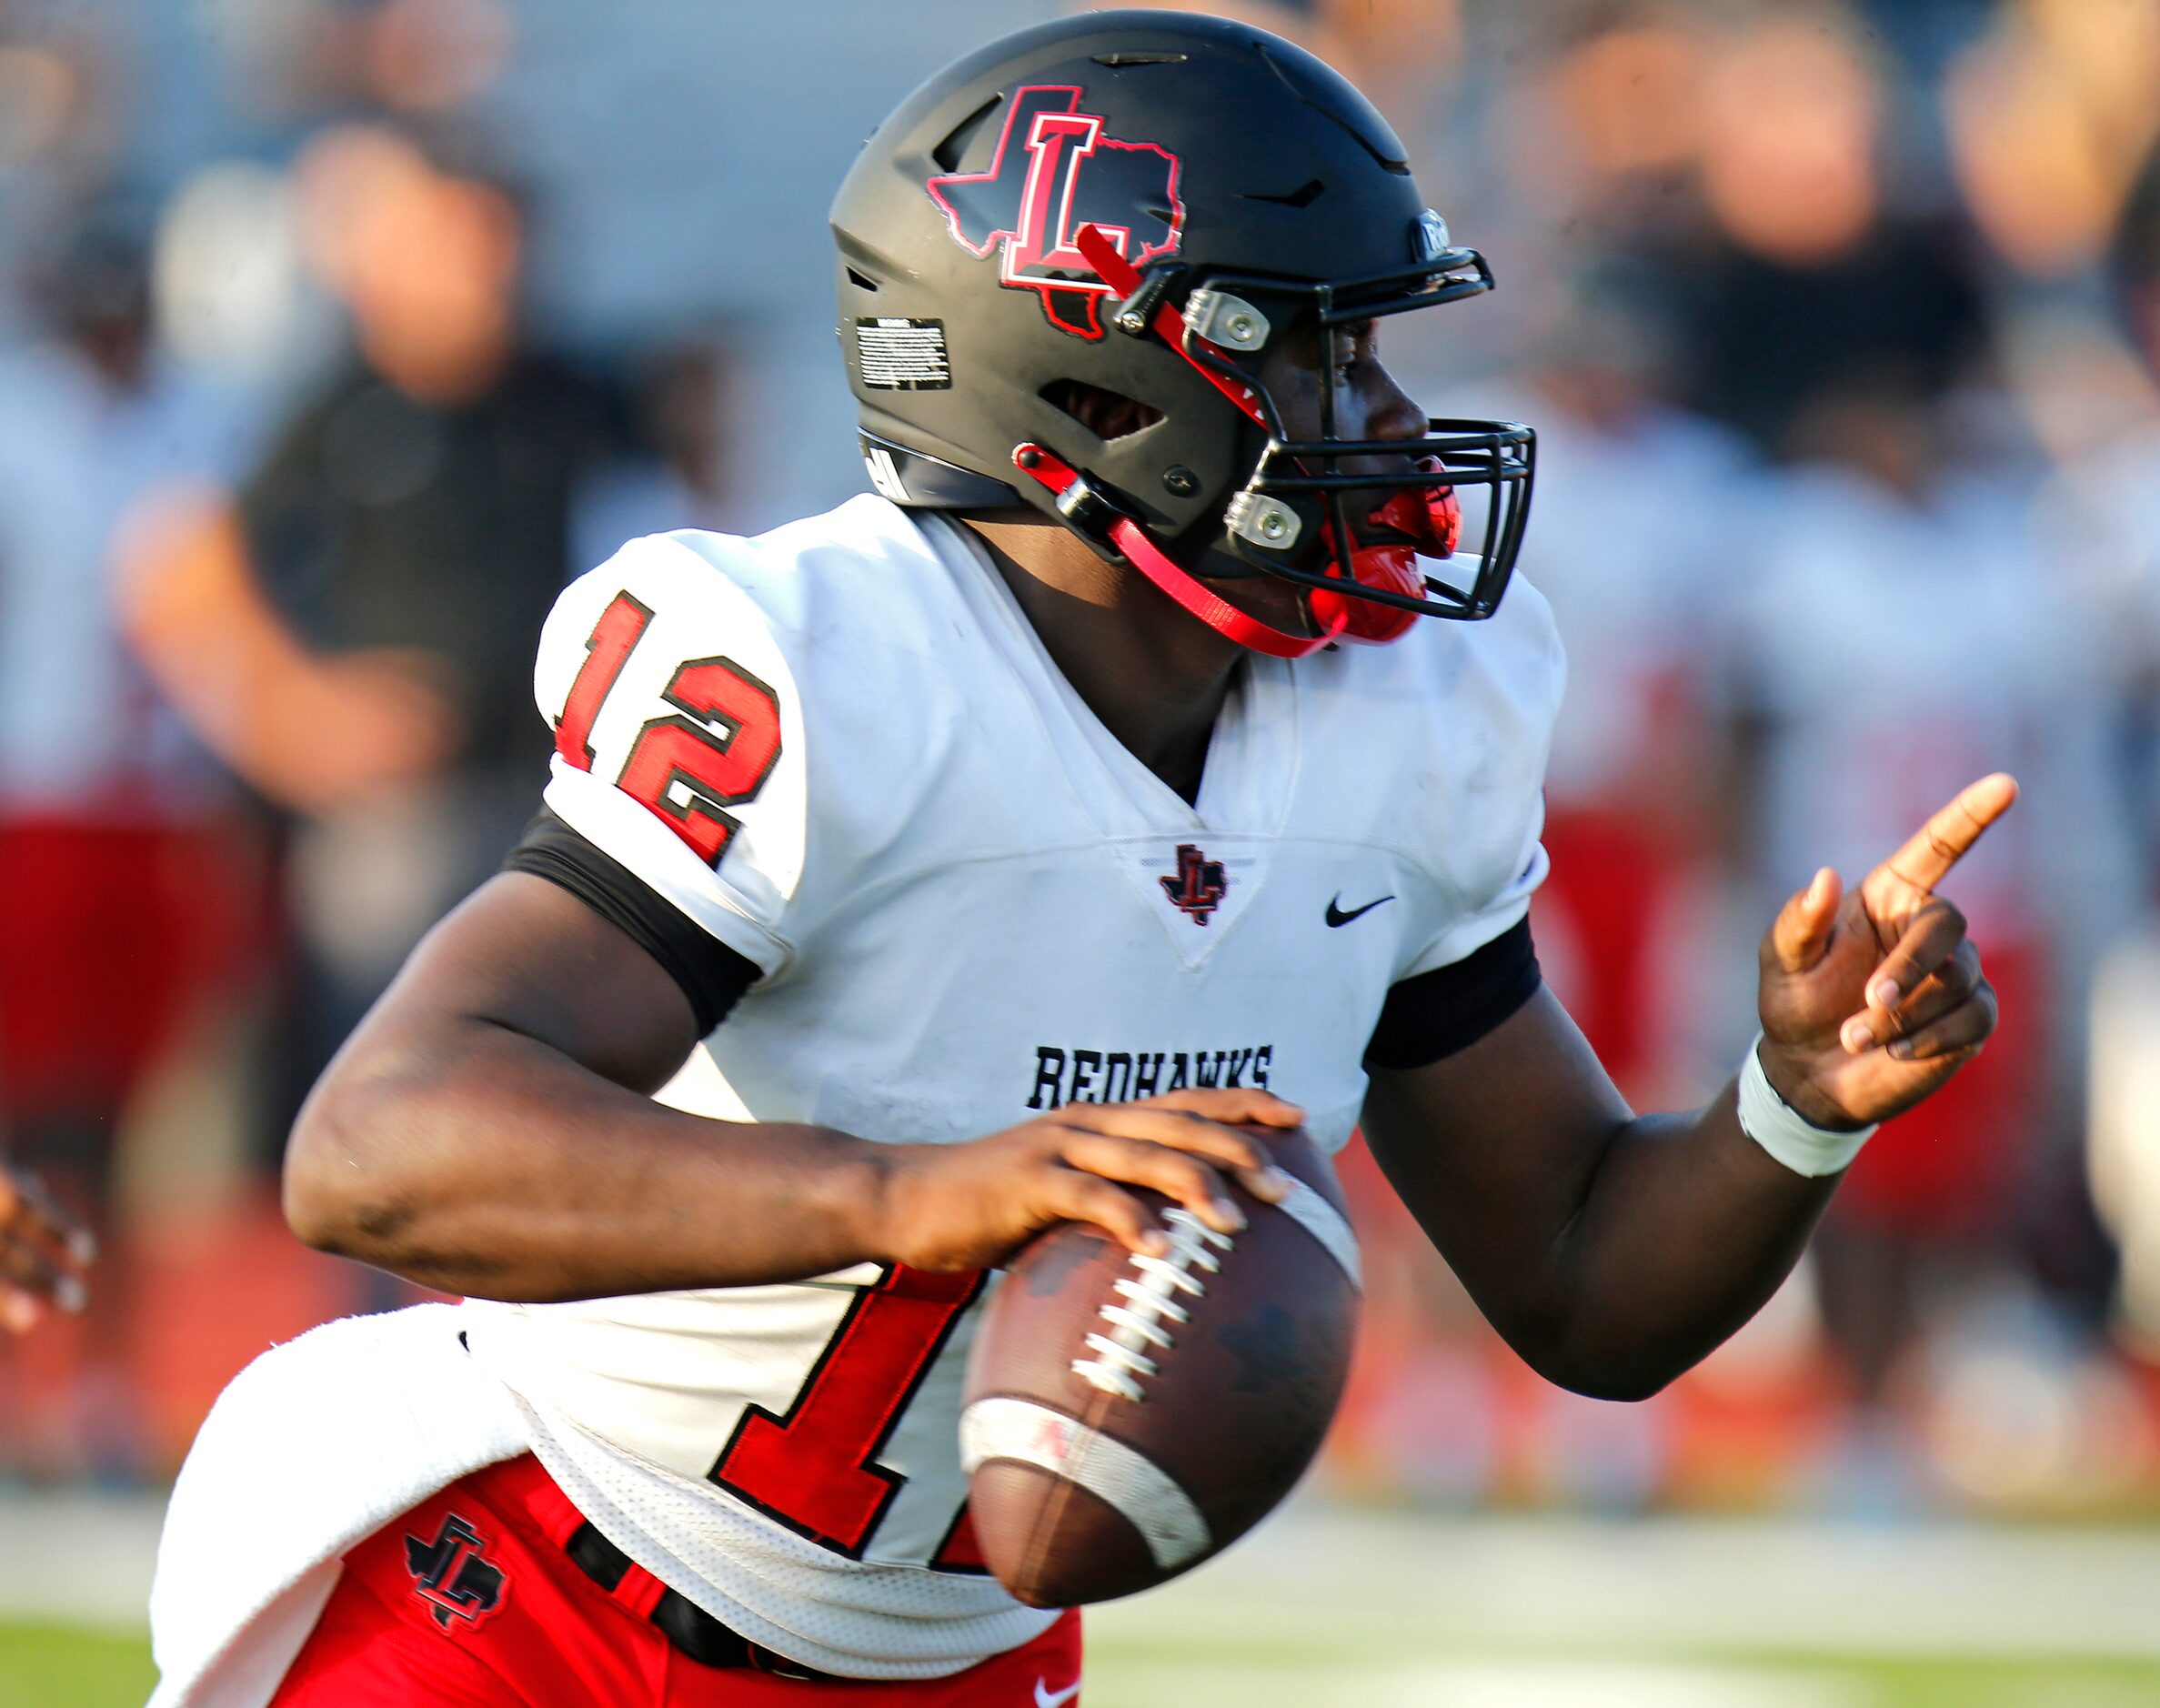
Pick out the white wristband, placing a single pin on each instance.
(1769, 1120)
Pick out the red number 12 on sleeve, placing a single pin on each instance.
(714, 752)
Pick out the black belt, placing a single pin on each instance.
(694, 1632)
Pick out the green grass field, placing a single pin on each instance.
(47, 1666)
(50, 1664)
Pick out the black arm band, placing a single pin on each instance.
(711, 975)
(1436, 1013)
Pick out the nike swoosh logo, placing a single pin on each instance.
(1045, 1697)
(1337, 916)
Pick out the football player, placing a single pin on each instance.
(957, 863)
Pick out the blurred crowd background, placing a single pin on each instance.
(336, 335)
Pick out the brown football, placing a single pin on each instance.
(1128, 1417)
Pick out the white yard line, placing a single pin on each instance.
(83, 1559)
(1403, 1587)
(1396, 1585)
(1217, 1682)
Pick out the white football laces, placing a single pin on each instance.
(1151, 1309)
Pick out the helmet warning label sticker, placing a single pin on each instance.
(900, 354)
(1055, 170)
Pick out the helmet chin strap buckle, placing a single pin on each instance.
(1087, 512)
(1124, 541)
(1092, 517)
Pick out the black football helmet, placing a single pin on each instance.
(1146, 203)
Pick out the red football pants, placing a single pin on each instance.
(469, 1601)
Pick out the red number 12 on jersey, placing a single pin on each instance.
(715, 752)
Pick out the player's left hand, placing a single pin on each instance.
(43, 1253)
(1871, 1000)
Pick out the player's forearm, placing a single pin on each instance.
(479, 1161)
(1686, 1228)
(1611, 1251)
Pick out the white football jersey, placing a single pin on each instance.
(841, 750)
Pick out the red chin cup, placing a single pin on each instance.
(1428, 519)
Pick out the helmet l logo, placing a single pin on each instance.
(1053, 172)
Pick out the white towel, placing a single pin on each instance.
(317, 1444)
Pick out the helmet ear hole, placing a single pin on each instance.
(1108, 415)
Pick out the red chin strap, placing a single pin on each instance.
(1428, 519)
(1145, 556)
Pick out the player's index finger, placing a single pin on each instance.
(1940, 843)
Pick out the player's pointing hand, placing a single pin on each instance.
(1871, 1000)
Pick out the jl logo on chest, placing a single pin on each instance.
(1196, 890)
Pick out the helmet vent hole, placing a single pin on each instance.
(1108, 415)
(1304, 196)
(860, 280)
(1139, 59)
(948, 153)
